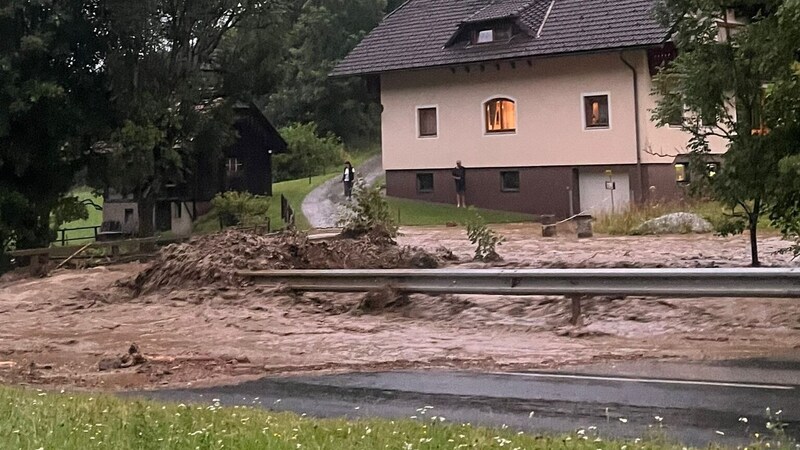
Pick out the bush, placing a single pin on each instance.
(308, 153)
(484, 238)
(241, 208)
(367, 213)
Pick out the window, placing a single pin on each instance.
(485, 36)
(427, 122)
(712, 169)
(501, 115)
(675, 119)
(424, 182)
(494, 34)
(682, 172)
(596, 111)
(509, 181)
(178, 210)
(234, 166)
(128, 214)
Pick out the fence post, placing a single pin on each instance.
(63, 237)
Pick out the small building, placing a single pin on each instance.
(546, 103)
(246, 167)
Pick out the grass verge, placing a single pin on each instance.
(40, 420)
(413, 212)
(624, 223)
(294, 191)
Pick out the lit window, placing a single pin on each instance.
(427, 122)
(234, 166)
(501, 115)
(712, 169)
(509, 181)
(424, 182)
(596, 109)
(682, 173)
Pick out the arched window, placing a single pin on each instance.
(501, 115)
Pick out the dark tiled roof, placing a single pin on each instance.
(499, 10)
(416, 35)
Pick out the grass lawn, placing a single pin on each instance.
(413, 212)
(95, 219)
(294, 190)
(45, 420)
(624, 223)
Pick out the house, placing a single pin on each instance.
(246, 167)
(546, 103)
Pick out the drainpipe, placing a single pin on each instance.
(638, 126)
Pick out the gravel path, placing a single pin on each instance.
(321, 205)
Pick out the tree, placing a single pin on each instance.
(720, 84)
(51, 102)
(308, 153)
(168, 90)
(323, 33)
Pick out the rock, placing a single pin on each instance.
(675, 223)
(130, 359)
(549, 231)
(423, 260)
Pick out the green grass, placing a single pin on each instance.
(45, 420)
(624, 223)
(95, 219)
(294, 190)
(413, 212)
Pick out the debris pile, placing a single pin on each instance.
(214, 259)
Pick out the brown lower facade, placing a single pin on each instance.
(561, 191)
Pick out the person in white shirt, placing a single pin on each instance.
(348, 178)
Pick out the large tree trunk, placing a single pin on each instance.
(147, 207)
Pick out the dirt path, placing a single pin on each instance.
(57, 330)
(321, 205)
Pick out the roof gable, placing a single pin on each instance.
(420, 33)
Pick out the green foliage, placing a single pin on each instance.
(241, 208)
(484, 238)
(67, 210)
(51, 99)
(368, 212)
(168, 93)
(722, 80)
(284, 61)
(308, 153)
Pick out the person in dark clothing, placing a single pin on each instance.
(460, 177)
(348, 177)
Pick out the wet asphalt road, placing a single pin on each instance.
(695, 404)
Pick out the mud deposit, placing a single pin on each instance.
(193, 323)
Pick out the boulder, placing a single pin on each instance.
(675, 223)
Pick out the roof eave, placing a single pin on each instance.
(336, 74)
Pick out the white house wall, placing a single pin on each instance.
(549, 105)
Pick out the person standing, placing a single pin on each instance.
(460, 177)
(348, 177)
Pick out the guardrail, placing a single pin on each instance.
(573, 283)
